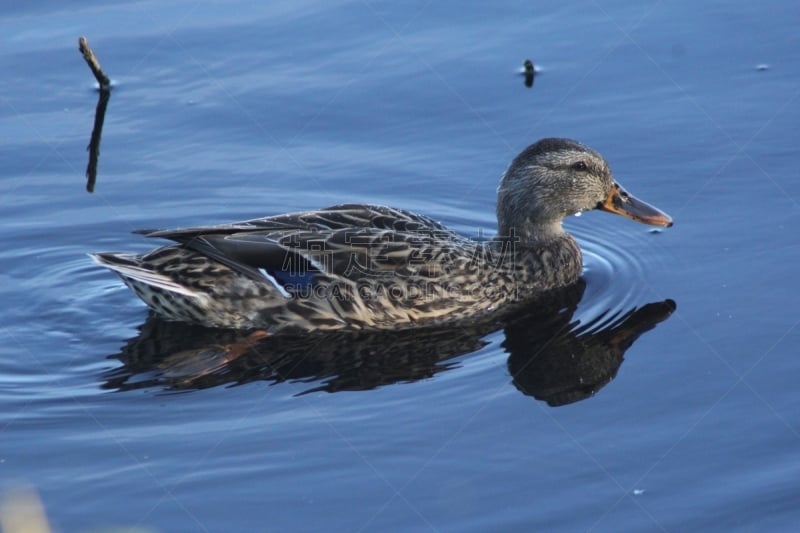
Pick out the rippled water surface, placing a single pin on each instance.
(661, 395)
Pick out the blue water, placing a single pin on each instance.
(229, 111)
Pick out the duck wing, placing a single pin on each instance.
(342, 216)
(345, 243)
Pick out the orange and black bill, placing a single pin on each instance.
(622, 203)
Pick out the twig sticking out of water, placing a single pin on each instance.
(94, 64)
(94, 143)
(529, 71)
(100, 112)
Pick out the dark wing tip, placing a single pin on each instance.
(146, 232)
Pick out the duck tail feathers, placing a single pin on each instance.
(129, 269)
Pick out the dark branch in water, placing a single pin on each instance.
(529, 72)
(94, 143)
(100, 111)
(94, 64)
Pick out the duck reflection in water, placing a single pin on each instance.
(553, 355)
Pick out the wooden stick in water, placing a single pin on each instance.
(94, 64)
(94, 143)
(100, 112)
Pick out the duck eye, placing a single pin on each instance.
(580, 165)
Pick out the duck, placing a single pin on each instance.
(374, 267)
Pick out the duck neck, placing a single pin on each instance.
(543, 256)
(533, 234)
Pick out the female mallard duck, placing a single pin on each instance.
(364, 266)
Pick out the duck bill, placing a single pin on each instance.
(621, 203)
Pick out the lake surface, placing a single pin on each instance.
(229, 111)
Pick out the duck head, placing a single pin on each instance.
(553, 178)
